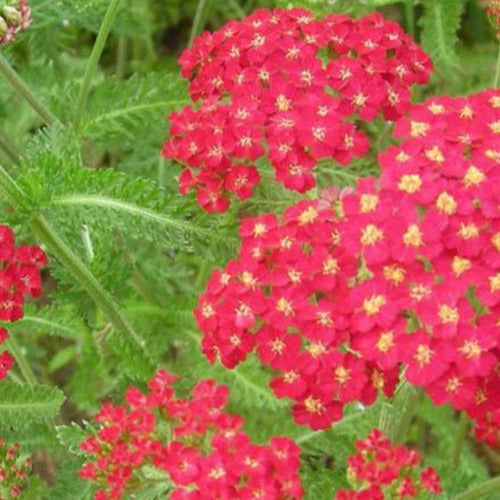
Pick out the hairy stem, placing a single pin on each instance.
(497, 72)
(9, 147)
(95, 56)
(9, 73)
(395, 416)
(16, 351)
(463, 427)
(75, 266)
(58, 247)
(197, 23)
(121, 57)
(490, 486)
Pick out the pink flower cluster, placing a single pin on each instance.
(448, 165)
(15, 15)
(13, 471)
(282, 85)
(402, 271)
(202, 450)
(381, 470)
(19, 276)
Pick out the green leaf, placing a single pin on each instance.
(440, 24)
(71, 437)
(22, 404)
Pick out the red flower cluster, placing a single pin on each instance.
(15, 15)
(493, 12)
(449, 167)
(13, 471)
(286, 86)
(334, 300)
(382, 470)
(19, 276)
(202, 450)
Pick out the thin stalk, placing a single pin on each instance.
(9, 73)
(410, 17)
(16, 351)
(497, 72)
(463, 427)
(82, 274)
(9, 147)
(197, 20)
(395, 417)
(490, 486)
(57, 246)
(121, 57)
(95, 56)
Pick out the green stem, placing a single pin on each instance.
(75, 266)
(490, 486)
(395, 417)
(24, 91)
(46, 233)
(197, 23)
(497, 72)
(95, 56)
(9, 147)
(463, 427)
(410, 17)
(14, 348)
(121, 57)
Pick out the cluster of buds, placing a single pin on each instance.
(290, 88)
(15, 15)
(201, 450)
(14, 471)
(402, 271)
(493, 12)
(20, 276)
(381, 470)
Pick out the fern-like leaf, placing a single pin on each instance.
(23, 405)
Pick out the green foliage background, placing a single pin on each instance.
(114, 201)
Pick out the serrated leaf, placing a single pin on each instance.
(23, 404)
(71, 437)
(440, 24)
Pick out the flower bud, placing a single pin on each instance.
(12, 15)
(15, 15)
(493, 12)
(3, 27)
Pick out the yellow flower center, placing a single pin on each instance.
(371, 234)
(373, 305)
(410, 183)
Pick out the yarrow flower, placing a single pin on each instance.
(448, 165)
(14, 470)
(283, 85)
(202, 451)
(402, 271)
(15, 15)
(381, 470)
(19, 276)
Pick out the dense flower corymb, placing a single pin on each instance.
(383, 470)
(19, 276)
(15, 15)
(285, 86)
(401, 271)
(449, 165)
(202, 451)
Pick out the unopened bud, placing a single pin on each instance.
(3, 27)
(12, 15)
(493, 12)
